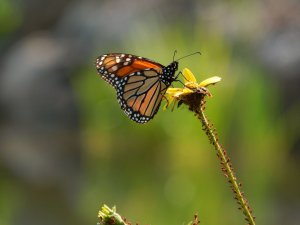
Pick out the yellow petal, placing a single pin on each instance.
(209, 81)
(188, 76)
(166, 105)
(185, 91)
(169, 96)
(171, 91)
(169, 100)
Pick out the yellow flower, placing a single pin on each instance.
(192, 93)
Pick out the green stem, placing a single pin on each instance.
(227, 167)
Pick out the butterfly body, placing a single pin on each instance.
(140, 83)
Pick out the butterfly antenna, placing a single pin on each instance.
(187, 55)
(175, 52)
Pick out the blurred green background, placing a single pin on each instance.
(66, 148)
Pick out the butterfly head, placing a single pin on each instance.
(174, 64)
(168, 73)
(171, 68)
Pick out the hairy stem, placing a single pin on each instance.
(227, 168)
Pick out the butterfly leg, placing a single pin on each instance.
(168, 104)
(176, 78)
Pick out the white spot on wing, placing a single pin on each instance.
(114, 68)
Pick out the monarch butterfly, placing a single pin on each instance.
(140, 83)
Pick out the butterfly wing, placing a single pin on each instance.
(141, 95)
(115, 66)
(139, 82)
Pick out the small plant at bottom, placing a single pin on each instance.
(109, 216)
